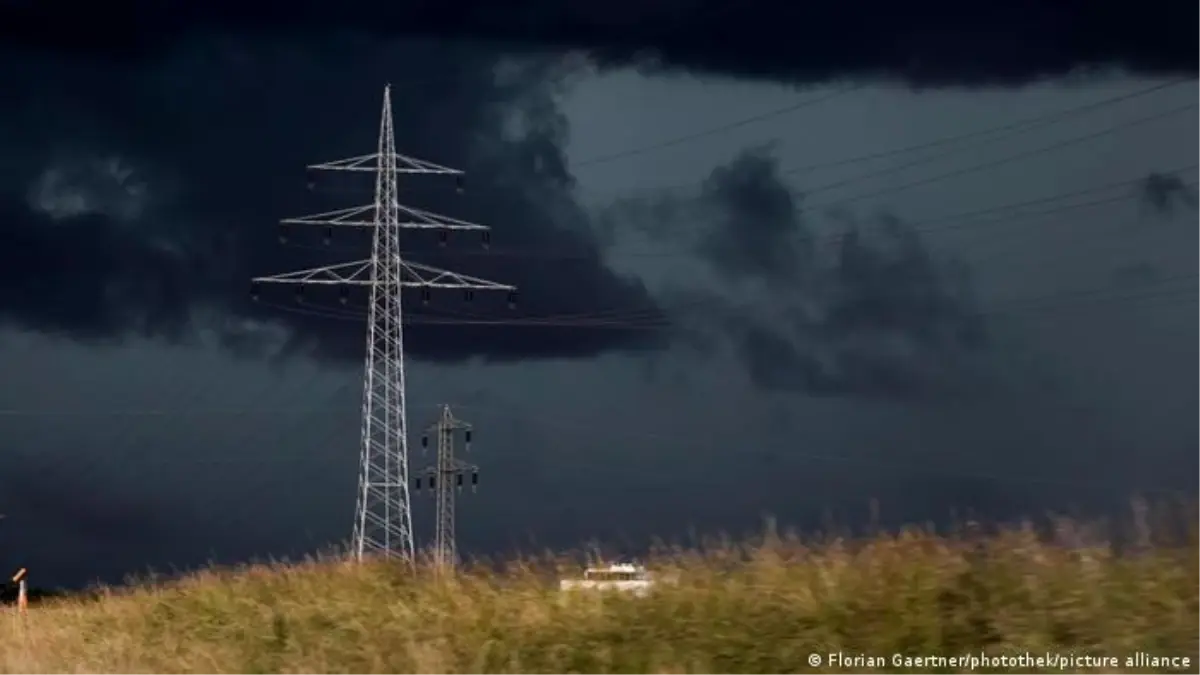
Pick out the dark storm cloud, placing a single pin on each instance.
(209, 109)
(865, 312)
(754, 232)
(927, 42)
(1167, 192)
(142, 197)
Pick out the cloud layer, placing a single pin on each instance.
(144, 200)
(924, 42)
(862, 309)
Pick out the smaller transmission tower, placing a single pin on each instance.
(444, 479)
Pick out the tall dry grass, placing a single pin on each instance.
(753, 608)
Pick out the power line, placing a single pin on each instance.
(1000, 162)
(1012, 158)
(1022, 125)
(1019, 126)
(655, 314)
(1025, 125)
(945, 222)
(655, 319)
(633, 152)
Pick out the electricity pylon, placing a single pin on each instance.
(383, 515)
(445, 478)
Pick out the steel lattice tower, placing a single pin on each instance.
(444, 479)
(383, 515)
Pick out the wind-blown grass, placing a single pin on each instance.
(736, 608)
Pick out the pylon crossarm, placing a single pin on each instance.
(451, 423)
(426, 220)
(343, 217)
(353, 273)
(370, 162)
(456, 466)
(406, 164)
(364, 216)
(360, 163)
(424, 276)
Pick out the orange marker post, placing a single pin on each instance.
(22, 595)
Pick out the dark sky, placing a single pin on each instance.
(943, 258)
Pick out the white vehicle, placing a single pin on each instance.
(619, 577)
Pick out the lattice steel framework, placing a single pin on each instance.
(383, 515)
(445, 479)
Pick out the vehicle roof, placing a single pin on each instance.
(617, 567)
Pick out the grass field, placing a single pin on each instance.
(737, 608)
